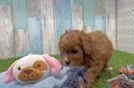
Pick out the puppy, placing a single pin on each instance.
(92, 50)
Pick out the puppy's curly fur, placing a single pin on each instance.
(92, 50)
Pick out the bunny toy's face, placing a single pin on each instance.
(31, 68)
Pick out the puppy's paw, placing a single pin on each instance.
(82, 84)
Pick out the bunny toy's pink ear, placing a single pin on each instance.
(9, 74)
(54, 64)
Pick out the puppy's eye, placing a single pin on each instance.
(19, 68)
(74, 51)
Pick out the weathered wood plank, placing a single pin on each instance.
(99, 7)
(63, 16)
(20, 24)
(35, 35)
(111, 21)
(5, 2)
(100, 23)
(89, 14)
(21, 42)
(33, 8)
(34, 26)
(77, 14)
(6, 33)
(48, 27)
(20, 19)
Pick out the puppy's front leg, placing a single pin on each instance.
(82, 84)
(91, 75)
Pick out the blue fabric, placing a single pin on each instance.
(73, 78)
(50, 82)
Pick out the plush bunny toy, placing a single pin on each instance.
(32, 68)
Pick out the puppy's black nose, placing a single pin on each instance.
(67, 62)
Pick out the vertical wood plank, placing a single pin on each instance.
(48, 27)
(77, 14)
(34, 26)
(19, 14)
(6, 33)
(100, 10)
(35, 35)
(21, 42)
(100, 23)
(5, 2)
(63, 16)
(89, 14)
(33, 8)
(20, 24)
(110, 7)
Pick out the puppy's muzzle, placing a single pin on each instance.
(67, 63)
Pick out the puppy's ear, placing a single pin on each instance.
(66, 31)
(86, 43)
(63, 34)
(88, 48)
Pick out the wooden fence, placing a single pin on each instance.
(35, 26)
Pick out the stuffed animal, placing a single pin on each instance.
(125, 80)
(32, 68)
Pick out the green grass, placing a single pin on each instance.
(118, 59)
(5, 63)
